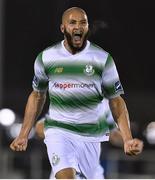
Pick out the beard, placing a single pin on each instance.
(69, 39)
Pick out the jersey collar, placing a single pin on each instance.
(67, 52)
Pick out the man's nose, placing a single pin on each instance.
(77, 25)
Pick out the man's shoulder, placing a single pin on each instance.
(53, 47)
(45, 55)
(96, 49)
(51, 51)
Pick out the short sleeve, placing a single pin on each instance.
(110, 80)
(40, 79)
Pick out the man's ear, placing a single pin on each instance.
(62, 28)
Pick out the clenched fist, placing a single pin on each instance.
(133, 147)
(19, 144)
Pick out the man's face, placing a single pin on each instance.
(75, 29)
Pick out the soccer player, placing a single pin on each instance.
(78, 75)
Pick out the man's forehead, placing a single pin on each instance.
(75, 14)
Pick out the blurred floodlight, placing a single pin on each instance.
(7, 117)
(15, 129)
(150, 133)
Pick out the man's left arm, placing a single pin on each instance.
(132, 146)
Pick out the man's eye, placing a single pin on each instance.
(83, 22)
(72, 22)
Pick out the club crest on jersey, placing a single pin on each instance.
(55, 159)
(89, 70)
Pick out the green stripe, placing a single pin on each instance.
(112, 126)
(109, 91)
(39, 57)
(72, 69)
(84, 129)
(109, 61)
(74, 102)
(42, 85)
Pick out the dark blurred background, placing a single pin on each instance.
(123, 28)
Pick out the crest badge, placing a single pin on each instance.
(89, 70)
(55, 159)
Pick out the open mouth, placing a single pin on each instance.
(77, 36)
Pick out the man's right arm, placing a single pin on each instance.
(132, 146)
(33, 109)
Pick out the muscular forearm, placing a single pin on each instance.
(121, 116)
(32, 111)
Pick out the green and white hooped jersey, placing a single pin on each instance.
(77, 84)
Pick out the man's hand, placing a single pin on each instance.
(19, 144)
(133, 147)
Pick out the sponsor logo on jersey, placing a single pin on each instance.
(89, 70)
(118, 86)
(58, 70)
(68, 85)
(55, 159)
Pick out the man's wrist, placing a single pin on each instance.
(125, 139)
(23, 135)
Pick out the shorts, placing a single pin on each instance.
(68, 152)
